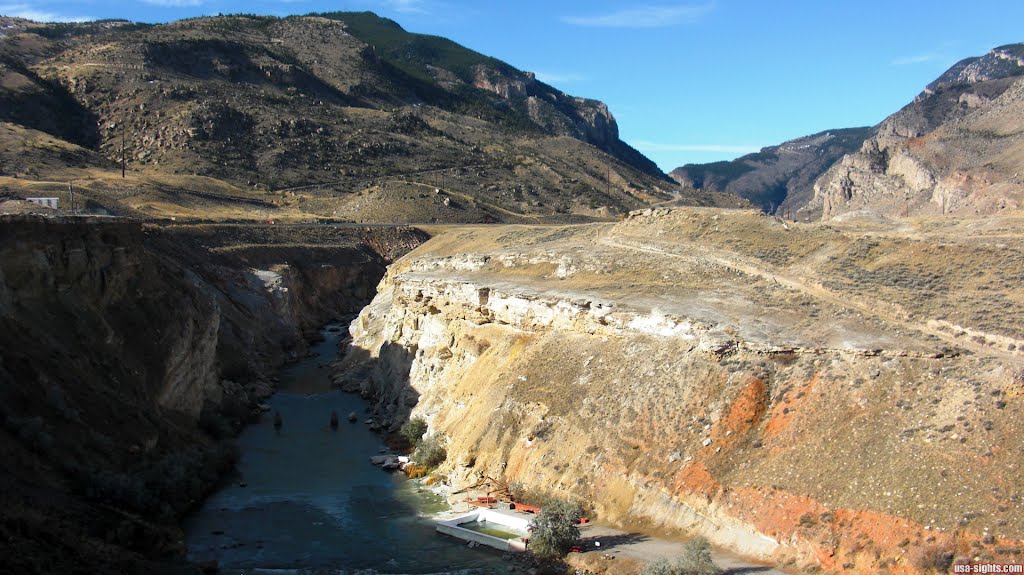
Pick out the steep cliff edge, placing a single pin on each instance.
(803, 394)
(129, 351)
(957, 148)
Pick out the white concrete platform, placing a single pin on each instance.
(516, 522)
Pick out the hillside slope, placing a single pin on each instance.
(835, 398)
(778, 178)
(339, 115)
(957, 148)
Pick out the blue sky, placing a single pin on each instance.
(693, 81)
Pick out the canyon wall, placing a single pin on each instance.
(689, 389)
(128, 351)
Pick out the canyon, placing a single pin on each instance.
(819, 396)
(131, 353)
(838, 395)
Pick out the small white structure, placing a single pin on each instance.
(509, 521)
(48, 202)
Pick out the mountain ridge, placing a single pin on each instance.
(958, 147)
(777, 178)
(321, 116)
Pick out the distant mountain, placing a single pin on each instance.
(778, 177)
(341, 115)
(957, 148)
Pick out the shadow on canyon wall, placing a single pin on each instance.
(128, 353)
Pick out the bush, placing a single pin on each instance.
(162, 487)
(934, 559)
(556, 529)
(55, 397)
(696, 559)
(660, 567)
(32, 431)
(415, 470)
(537, 497)
(413, 430)
(430, 452)
(215, 424)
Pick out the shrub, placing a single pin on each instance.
(55, 397)
(696, 559)
(164, 486)
(413, 430)
(117, 487)
(934, 559)
(535, 496)
(430, 452)
(556, 529)
(660, 567)
(32, 431)
(215, 424)
(415, 470)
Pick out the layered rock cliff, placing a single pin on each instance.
(715, 373)
(128, 351)
(957, 148)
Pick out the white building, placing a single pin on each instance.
(48, 202)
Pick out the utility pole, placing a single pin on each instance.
(122, 150)
(71, 192)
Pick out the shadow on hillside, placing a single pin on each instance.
(611, 541)
(746, 570)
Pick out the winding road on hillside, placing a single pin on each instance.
(888, 311)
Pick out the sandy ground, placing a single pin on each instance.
(643, 548)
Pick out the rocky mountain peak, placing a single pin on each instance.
(956, 148)
(1001, 62)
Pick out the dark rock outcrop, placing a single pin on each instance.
(777, 179)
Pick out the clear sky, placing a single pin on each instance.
(693, 81)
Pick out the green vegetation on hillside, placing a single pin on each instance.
(337, 116)
(411, 52)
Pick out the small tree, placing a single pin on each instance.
(413, 430)
(556, 529)
(696, 559)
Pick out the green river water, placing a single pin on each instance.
(313, 503)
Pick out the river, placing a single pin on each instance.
(306, 499)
